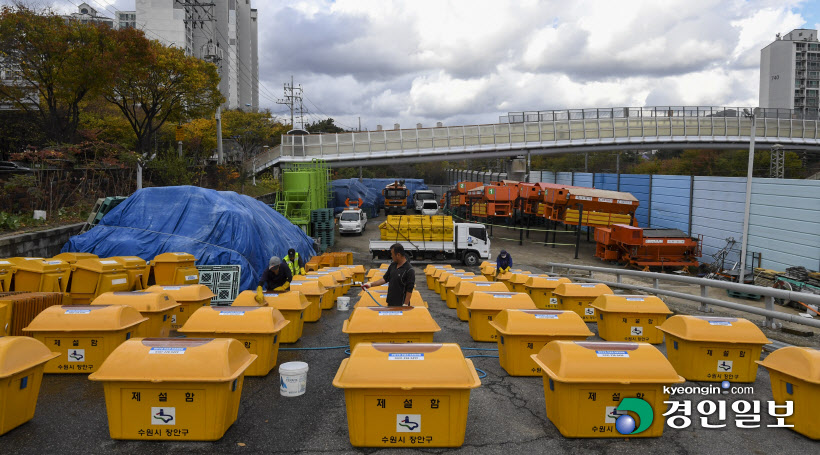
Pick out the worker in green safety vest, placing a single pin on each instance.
(295, 263)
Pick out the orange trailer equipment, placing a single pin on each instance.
(644, 247)
(493, 201)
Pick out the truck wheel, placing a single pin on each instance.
(471, 259)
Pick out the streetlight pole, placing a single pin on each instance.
(748, 204)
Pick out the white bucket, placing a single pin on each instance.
(292, 378)
(343, 303)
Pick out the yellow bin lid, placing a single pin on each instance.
(467, 287)
(144, 302)
(581, 290)
(74, 257)
(38, 265)
(540, 322)
(481, 300)
(337, 275)
(85, 318)
(390, 320)
(184, 292)
(130, 262)
(235, 319)
(601, 362)
(430, 267)
(174, 257)
(522, 278)
(799, 362)
(310, 286)
(539, 282)
(722, 330)
(21, 353)
(375, 273)
(438, 272)
(292, 300)
(346, 272)
(406, 366)
(384, 266)
(175, 360)
(614, 303)
(98, 265)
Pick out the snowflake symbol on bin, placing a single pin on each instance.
(76, 355)
(161, 415)
(408, 424)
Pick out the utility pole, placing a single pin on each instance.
(745, 241)
(292, 98)
(777, 162)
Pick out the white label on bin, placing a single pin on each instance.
(623, 201)
(109, 262)
(77, 311)
(546, 316)
(589, 311)
(483, 285)
(553, 301)
(724, 366)
(634, 299)
(725, 323)
(583, 198)
(391, 313)
(272, 295)
(167, 351)
(53, 262)
(587, 285)
(191, 277)
(636, 331)
(181, 254)
(612, 353)
(612, 414)
(76, 355)
(5, 263)
(163, 416)
(231, 313)
(119, 281)
(171, 288)
(408, 423)
(403, 356)
(173, 319)
(503, 296)
(604, 199)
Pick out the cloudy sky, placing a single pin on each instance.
(469, 61)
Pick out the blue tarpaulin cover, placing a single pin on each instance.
(217, 227)
(370, 190)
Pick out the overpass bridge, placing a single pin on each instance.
(556, 131)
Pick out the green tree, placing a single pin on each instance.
(323, 126)
(156, 84)
(57, 64)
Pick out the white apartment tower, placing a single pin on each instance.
(790, 72)
(221, 30)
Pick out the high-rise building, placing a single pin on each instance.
(221, 31)
(790, 72)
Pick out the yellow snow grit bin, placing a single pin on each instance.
(518, 280)
(794, 373)
(407, 395)
(522, 333)
(71, 258)
(173, 388)
(257, 328)
(578, 297)
(453, 282)
(713, 349)
(482, 307)
(346, 272)
(436, 275)
(449, 282)
(138, 271)
(22, 361)
(444, 276)
(317, 292)
(84, 335)
(428, 273)
(465, 290)
(174, 268)
(158, 307)
(358, 272)
(340, 288)
(92, 277)
(390, 325)
(506, 276)
(585, 383)
(292, 305)
(331, 284)
(374, 274)
(39, 275)
(540, 290)
(190, 298)
(488, 270)
(380, 295)
(630, 317)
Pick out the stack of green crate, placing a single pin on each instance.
(324, 228)
(305, 189)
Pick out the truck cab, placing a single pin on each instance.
(471, 243)
(421, 196)
(352, 221)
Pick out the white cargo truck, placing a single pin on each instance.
(420, 196)
(470, 245)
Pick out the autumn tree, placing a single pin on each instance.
(156, 84)
(55, 64)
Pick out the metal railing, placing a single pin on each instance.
(769, 294)
(545, 129)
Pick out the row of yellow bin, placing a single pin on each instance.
(85, 276)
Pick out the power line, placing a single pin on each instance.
(327, 116)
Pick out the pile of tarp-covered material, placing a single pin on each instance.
(217, 227)
(370, 191)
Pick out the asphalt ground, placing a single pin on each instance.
(506, 414)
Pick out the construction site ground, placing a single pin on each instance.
(507, 415)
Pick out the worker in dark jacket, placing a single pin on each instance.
(400, 276)
(275, 275)
(503, 263)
